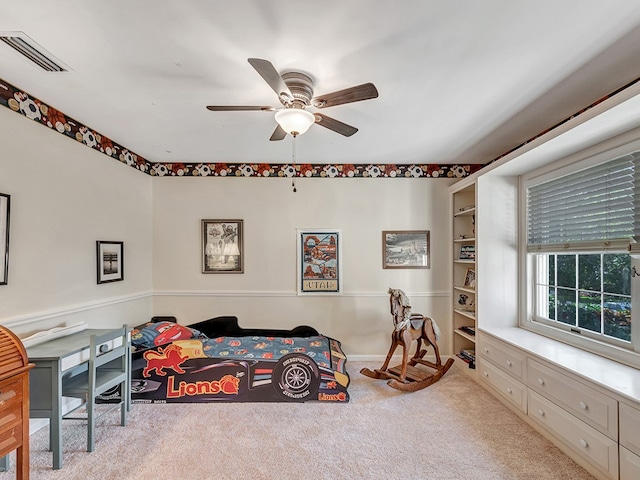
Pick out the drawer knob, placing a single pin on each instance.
(509, 363)
(486, 350)
(509, 391)
(541, 381)
(583, 406)
(584, 443)
(486, 374)
(541, 412)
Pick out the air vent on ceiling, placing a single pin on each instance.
(34, 52)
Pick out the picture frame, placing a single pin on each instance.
(5, 208)
(110, 261)
(467, 252)
(222, 246)
(470, 278)
(405, 249)
(466, 303)
(319, 261)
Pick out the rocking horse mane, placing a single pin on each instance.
(400, 305)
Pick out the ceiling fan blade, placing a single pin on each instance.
(267, 71)
(234, 108)
(365, 91)
(278, 134)
(335, 125)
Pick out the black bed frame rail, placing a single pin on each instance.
(227, 326)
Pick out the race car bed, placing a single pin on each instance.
(216, 360)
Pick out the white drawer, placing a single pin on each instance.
(504, 357)
(630, 428)
(593, 446)
(629, 465)
(509, 387)
(595, 408)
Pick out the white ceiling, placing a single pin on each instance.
(460, 81)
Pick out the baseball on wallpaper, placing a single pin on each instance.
(319, 261)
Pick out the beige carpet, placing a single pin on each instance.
(451, 430)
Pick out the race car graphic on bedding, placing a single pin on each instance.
(242, 369)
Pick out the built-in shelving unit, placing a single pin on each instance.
(463, 200)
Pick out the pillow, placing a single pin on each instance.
(152, 334)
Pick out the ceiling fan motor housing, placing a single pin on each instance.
(301, 86)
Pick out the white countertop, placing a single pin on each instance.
(622, 380)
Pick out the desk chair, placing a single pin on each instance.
(108, 367)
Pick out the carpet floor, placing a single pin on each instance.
(453, 429)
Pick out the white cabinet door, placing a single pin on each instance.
(593, 446)
(506, 385)
(630, 428)
(588, 404)
(629, 465)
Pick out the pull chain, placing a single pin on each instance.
(293, 160)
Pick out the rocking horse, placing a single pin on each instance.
(409, 327)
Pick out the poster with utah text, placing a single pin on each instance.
(319, 261)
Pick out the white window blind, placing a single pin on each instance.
(597, 208)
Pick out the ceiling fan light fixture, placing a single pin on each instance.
(295, 121)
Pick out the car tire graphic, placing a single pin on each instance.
(296, 378)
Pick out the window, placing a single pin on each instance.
(583, 228)
(586, 293)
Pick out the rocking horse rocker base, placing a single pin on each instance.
(415, 378)
(407, 377)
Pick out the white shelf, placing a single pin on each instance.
(465, 289)
(465, 313)
(463, 201)
(462, 365)
(466, 335)
(464, 213)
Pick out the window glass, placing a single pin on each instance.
(590, 292)
(566, 271)
(566, 306)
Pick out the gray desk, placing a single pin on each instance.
(55, 359)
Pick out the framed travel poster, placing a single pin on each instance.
(319, 261)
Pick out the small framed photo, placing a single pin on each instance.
(467, 252)
(405, 249)
(466, 302)
(222, 250)
(110, 259)
(319, 261)
(5, 203)
(470, 278)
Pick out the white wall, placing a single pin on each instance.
(265, 294)
(64, 197)
(497, 243)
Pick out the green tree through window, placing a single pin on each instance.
(589, 292)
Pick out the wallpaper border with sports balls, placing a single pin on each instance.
(35, 109)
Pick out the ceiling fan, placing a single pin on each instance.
(295, 92)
